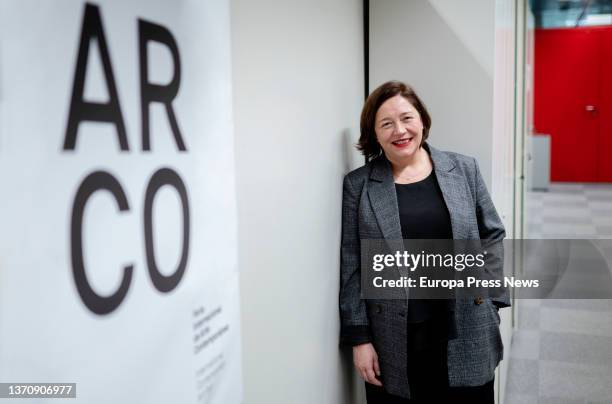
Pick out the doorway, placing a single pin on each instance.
(572, 68)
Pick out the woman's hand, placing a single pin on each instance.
(366, 362)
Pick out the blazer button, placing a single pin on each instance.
(479, 300)
(378, 309)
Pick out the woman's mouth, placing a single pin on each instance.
(400, 143)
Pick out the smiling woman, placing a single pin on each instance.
(397, 123)
(425, 351)
(398, 99)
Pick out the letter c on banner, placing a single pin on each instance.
(98, 180)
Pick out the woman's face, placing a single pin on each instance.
(399, 129)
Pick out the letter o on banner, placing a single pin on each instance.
(165, 176)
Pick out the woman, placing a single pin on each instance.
(417, 351)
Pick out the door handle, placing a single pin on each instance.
(590, 108)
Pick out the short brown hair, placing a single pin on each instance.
(368, 145)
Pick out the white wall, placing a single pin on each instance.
(298, 92)
(503, 163)
(445, 50)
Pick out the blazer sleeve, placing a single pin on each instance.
(492, 233)
(355, 328)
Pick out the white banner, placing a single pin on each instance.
(118, 214)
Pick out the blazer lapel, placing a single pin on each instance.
(383, 199)
(454, 191)
(381, 191)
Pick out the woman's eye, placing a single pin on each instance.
(386, 125)
(407, 118)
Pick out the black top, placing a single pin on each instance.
(423, 212)
(424, 215)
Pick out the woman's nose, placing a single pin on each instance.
(398, 128)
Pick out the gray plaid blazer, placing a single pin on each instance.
(370, 211)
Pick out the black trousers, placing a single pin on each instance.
(428, 376)
(453, 395)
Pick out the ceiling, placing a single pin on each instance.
(564, 13)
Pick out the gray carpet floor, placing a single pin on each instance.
(562, 349)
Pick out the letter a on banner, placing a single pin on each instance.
(81, 110)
